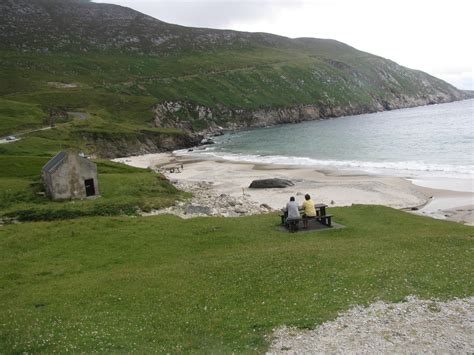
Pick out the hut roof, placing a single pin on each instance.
(55, 162)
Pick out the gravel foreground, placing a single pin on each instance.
(413, 326)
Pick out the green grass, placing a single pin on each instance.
(116, 126)
(213, 284)
(115, 120)
(124, 190)
(16, 116)
(246, 78)
(44, 144)
(110, 106)
(16, 167)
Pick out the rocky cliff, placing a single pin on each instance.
(184, 115)
(107, 145)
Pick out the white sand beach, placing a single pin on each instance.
(335, 188)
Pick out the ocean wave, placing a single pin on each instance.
(405, 168)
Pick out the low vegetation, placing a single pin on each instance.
(108, 124)
(124, 191)
(16, 116)
(121, 284)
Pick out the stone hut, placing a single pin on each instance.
(70, 176)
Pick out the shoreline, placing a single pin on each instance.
(330, 186)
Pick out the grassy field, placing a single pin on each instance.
(16, 116)
(124, 190)
(121, 284)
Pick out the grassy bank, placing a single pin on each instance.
(99, 123)
(213, 284)
(124, 190)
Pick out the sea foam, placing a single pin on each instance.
(405, 168)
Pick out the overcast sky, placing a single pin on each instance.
(435, 36)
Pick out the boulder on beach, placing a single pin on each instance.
(207, 141)
(270, 183)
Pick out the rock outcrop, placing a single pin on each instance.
(183, 115)
(206, 202)
(275, 183)
(112, 145)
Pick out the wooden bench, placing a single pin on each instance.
(326, 219)
(321, 217)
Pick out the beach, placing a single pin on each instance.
(330, 186)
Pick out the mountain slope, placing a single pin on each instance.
(132, 72)
(84, 25)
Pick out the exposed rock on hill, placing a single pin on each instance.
(112, 145)
(182, 115)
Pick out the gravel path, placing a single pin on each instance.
(414, 326)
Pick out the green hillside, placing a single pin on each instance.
(129, 72)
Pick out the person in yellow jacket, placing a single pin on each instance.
(308, 210)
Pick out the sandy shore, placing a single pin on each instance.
(335, 188)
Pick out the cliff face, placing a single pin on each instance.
(120, 145)
(201, 119)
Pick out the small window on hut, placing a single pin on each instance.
(90, 189)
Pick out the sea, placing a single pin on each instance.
(429, 143)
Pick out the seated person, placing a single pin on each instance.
(309, 210)
(292, 209)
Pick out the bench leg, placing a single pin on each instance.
(324, 220)
(293, 226)
(327, 221)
